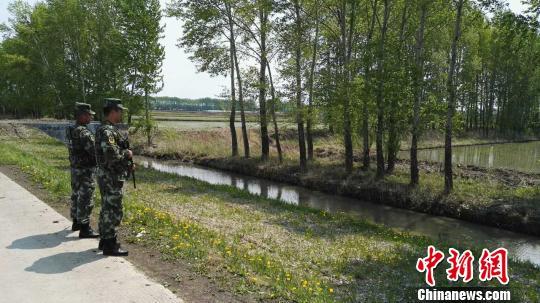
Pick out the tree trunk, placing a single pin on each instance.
(265, 144)
(245, 135)
(418, 91)
(394, 137)
(380, 92)
(346, 53)
(298, 89)
(132, 97)
(491, 104)
(365, 110)
(82, 78)
(448, 177)
(232, 118)
(274, 118)
(148, 126)
(309, 133)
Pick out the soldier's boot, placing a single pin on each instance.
(87, 232)
(112, 248)
(100, 245)
(75, 226)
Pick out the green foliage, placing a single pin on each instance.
(59, 52)
(204, 25)
(365, 75)
(139, 23)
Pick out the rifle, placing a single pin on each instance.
(131, 171)
(131, 164)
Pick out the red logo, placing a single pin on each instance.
(429, 263)
(490, 265)
(494, 265)
(460, 265)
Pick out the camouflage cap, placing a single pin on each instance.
(113, 103)
(81, 108)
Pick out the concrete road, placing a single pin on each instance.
(42, 261)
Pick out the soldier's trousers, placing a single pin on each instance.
(83, 185)
(111, 204)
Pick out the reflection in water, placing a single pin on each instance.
(519, 156)
(453, 231)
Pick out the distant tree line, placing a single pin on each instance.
(202, 104)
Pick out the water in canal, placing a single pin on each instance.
(456, 232)
(518, 156)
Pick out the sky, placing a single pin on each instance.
(180, 75)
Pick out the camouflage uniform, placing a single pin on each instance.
(113, 165)
(83, 166)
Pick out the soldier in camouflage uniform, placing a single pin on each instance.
(82, 160)
(113, 161)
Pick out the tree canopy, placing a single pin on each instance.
(59, 52)
(374, 72)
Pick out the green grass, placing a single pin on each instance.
(260, 246)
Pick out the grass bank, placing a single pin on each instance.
(501, 198)
(260, 247)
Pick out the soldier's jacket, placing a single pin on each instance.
(111, 151)
(81, 146)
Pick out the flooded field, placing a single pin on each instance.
(523, 157)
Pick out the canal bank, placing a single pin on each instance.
(507, 207)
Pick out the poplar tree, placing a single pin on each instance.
(141, 33)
